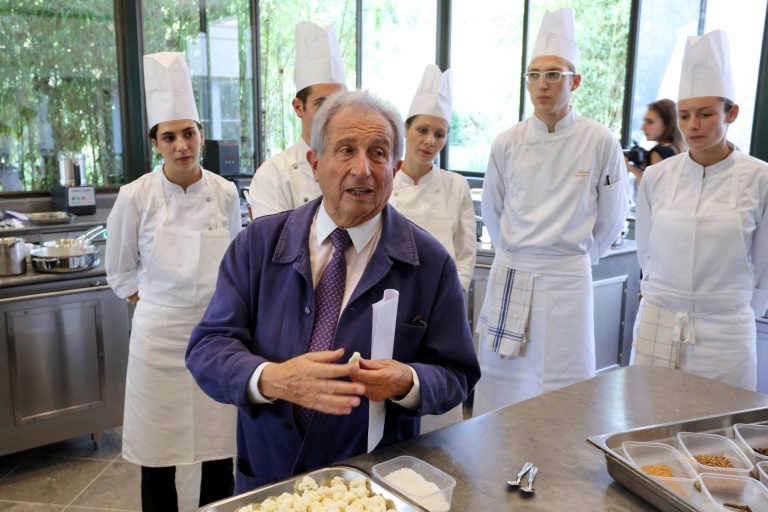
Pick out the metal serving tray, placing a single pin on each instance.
(322, 476)
(51, 218)
(643, 484)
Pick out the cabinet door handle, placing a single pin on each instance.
(47, 295)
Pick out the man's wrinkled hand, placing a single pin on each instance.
(383, 378)
(312, 380)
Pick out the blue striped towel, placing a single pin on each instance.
(503, 322)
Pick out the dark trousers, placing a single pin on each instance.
(158, 485)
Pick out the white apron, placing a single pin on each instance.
(168, 419)
(561, 334)
(696, 313)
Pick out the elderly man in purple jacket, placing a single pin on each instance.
(260, 344)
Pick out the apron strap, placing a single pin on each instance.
(682, 332)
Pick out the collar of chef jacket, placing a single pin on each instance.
(561, 125)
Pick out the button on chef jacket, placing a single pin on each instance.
(707, 193)
(441, 204)
(284, 182)
(555, 194)
(131, 211)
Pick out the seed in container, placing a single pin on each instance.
(659, 470)
(717, 461)
(762, 451)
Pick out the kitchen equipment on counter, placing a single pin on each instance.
(321, 476)
(71, 169)
(528, 488)
(222, 157)
(75, 200)
(51, 218)
(84, 239)
(12, 256)
(517, 481)
(644, 485)
(61, 260)
(72, 194)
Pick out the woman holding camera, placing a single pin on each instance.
(660, 125)
(702, 235)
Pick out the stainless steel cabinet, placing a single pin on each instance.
(63, 353)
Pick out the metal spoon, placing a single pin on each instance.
(529, 488)
(516, 482)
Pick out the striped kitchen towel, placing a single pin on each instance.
(503, 322)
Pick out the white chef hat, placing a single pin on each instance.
(557, 37)
(168, 87)
(434, 95)
(707, 67)
(318, 57)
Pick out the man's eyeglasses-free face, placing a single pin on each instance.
(533, 77)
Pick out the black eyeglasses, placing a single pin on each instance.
(533, 77)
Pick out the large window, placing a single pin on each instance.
(58, 91)
(217, 44)
(486, 53)
(398, 42)
(663, 30)
(280, 126)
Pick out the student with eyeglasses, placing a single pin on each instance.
(554, 200)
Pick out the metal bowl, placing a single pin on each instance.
(50, 218)
(62, 260)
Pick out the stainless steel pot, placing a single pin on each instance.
(61, 259)
(12, 256)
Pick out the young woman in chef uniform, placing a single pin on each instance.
(168, 232)
(437, 201)
(701, 236)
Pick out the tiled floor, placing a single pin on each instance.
(71, 476)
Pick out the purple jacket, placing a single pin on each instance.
(263, 310)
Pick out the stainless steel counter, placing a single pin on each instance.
(551, 431)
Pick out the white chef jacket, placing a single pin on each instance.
(132, 222)
(555, 194)
(284, 182)
(441, 204)
(708, 192)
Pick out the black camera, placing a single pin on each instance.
(635, 155)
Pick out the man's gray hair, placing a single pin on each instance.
(356, 99)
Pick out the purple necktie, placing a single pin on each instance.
(328, 296)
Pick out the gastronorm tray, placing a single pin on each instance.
(321, 476)
(51, 218)
(643, 484)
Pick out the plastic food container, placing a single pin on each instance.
(712, 444)
(437, 501)
(748, 437)
(652, 454)
(762, 470)
(719, 489)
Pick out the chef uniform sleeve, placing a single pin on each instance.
(233, 211)
(612, 200)
(266, 193)
(465, 238)
(643, 222)
(121, 260)
(493, 193)
(760, 258)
